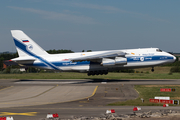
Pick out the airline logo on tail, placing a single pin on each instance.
(30, 47)
(34, 50)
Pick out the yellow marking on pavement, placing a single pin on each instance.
(32, 96)
(25, 114)
(94, 91)
(6, 88)
(136, 91)
(83, 101)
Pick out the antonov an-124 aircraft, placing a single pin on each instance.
(93, 63)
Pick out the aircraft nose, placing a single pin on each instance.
(174, 58)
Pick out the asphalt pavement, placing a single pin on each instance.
(33, 99)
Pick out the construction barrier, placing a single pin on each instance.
(136, 108)
(6, 118)
(165, 105)
(52, 115)
(164, 101)
(167, 89)
(110, 111)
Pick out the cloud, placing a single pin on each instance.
(111, 9)
(58, 16)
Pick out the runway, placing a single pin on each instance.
(33, 99)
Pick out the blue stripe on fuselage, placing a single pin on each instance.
(62, 63)
(23, 48)
(129, 59)
(148, 58)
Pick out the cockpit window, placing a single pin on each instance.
(158, 50)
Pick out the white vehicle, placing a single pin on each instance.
(94, 63)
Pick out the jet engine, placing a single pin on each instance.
(115, 61)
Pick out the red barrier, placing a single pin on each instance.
(165, 89)
(167, 101)
(112, 111)
(154, 100)
(2, 118)
(161, 101)
(55, 115)
(135, 109)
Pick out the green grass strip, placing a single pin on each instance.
(150, 91)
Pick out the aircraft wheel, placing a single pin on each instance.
(152, 69)
(89, 74)
(93, 73)
(106, 72)
(101, 72)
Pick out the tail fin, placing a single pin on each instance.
(25, 45)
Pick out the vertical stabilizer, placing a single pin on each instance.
(25, 45)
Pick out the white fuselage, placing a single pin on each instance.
(136, 58)
(95, 63)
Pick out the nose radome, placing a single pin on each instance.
(174, 58)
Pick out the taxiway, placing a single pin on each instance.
(33, 99)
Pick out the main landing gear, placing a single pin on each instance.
(99, 72)
(152, 69)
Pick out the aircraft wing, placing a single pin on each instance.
(96, 57)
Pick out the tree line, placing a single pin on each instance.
(7, 56)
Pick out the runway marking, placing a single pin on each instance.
(136, 91)
(24, 114)
(94, 91)
(6, 88)
(50, 102)
(81, 98)
(103, 82)
(44, 92)
(29, 97)
(83, 102)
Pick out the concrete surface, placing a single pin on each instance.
(42, 94)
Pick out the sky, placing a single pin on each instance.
(92, 24)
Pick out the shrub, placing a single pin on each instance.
(7, 70)
(125, 71)
(175, 69)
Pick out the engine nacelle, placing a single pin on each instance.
(116, 61)
(120, 61)
(108, 62)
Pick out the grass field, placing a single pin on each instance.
(144, 73)
(150, 91)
